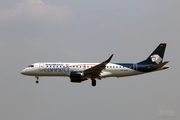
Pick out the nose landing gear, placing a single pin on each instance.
(37, 79)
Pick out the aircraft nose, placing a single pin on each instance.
(23, 72)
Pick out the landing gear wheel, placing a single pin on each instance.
(37, 81)
(93, 83)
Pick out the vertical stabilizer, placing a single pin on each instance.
(157, 56)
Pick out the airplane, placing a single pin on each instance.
(79, 72)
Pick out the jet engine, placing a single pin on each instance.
(76, 76)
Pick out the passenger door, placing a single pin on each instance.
(41, 66)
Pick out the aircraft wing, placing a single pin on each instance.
(95, 71)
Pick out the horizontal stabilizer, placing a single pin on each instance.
(159, 65)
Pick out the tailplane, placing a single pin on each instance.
(157, 56)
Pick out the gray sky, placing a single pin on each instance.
(88, 31)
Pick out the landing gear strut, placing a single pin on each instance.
(37, 79)
(93, 82)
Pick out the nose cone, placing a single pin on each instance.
(24, 72)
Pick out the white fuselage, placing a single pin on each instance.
(64, 69)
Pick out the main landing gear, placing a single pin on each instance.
(37, 79)
(93, 82)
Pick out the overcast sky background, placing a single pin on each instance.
(88, 31)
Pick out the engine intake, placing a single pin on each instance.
(76, 76)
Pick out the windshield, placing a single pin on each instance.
(31, 66)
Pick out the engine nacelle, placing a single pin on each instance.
(76, 76)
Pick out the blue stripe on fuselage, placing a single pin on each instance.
(127, 65)
(137, 67)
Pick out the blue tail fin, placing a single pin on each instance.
(157, 56)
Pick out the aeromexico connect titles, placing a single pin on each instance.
(79, 72)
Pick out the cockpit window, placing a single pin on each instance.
(31, 66)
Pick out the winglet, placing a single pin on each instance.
(109, 59)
